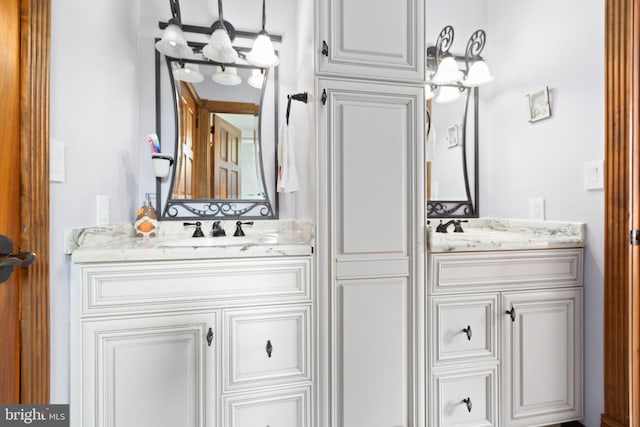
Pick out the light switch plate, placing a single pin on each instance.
(594, 175)
(103, 211)
(57, 164)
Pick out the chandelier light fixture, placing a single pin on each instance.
(445, 77)
(219, 49)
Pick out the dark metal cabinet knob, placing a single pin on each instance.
(269, 348)
(467, 401)
(511, 313)
(209, 337)
(467, 331)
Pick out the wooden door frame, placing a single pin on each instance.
(35, 23)
(622, 188)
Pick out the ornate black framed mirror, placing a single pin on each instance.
(452, 156)
(221, 126)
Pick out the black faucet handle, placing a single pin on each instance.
(457, 227)
(198, 231)
(239, 230)
(216, 230)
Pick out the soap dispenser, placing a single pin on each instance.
(146, 223)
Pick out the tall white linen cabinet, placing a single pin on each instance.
(370, 212)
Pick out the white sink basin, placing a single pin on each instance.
(209, 242)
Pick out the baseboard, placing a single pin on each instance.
(573, 424)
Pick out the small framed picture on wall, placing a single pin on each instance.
(453, 139)
(539, 107)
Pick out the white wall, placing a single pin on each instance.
(94, 111)
(103, 106)
(560, 45)
(531, 45)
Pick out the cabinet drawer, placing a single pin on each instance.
(282, 408)
(268, 346)
(464, 328)
(466, 397)
(470, 272)
(155, 286)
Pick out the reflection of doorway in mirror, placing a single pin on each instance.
(225, 176)
(183, 187)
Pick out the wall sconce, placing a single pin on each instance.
(262, 53)
(188, 72)
(219, 49)
(227, 76)
(173, 42)
(448, 78)
(256, 79)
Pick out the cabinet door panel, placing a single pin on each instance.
(283, 408)
(373, 136)
(373, 353)
(372, 38)
(542, 357)
(267, 346)
(465, 397)
(464, 328)
(149, 372)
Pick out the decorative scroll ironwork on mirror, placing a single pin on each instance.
(224, 126)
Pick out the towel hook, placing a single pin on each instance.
(302, 97)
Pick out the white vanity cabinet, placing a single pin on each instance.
(373, 39)
(505, 337)
(371, 253)
(193, 343)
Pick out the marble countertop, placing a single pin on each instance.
(486, 234)
(114, 243)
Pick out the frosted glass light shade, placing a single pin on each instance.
(447, 94)
(256, 79)
(448, 72)
(189, 73)
(262, 53)
(478, 74)
(173, 43)
(228, 77)
(219, 48)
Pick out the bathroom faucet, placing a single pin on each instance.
(457, 227)
(198, 231)
(217, 231)
(239, 230)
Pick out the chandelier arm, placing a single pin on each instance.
(175, 12)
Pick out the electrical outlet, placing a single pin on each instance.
(536, 208)
(102, 210)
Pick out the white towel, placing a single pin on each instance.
(287, 172)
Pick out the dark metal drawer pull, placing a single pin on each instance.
(467, 331)
(269, 348)
(511, 313)
(468, 402)
(209, 337)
